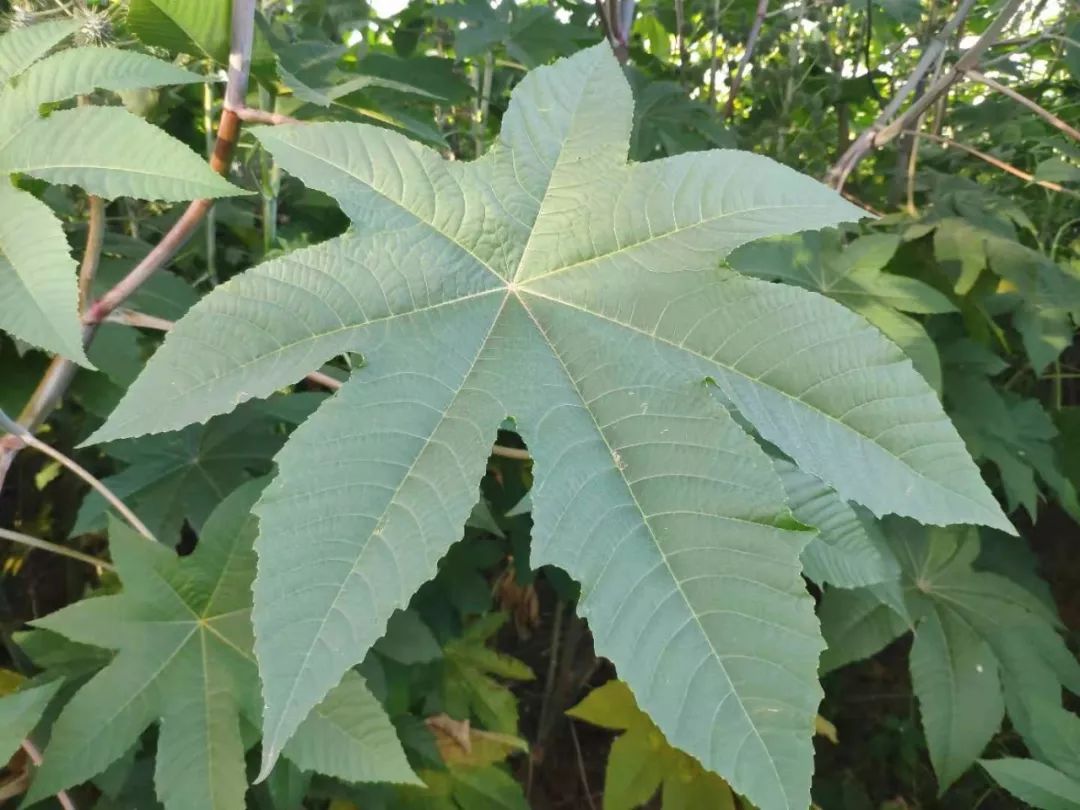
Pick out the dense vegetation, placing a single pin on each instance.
(540, 405)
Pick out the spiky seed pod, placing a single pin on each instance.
(95, 28)
(20, 17)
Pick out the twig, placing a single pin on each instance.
(35, 757)
(325, 380)
(1042, 112)
(515, 453)
(61, 371)
(581, 766)
(744, 60)
(993, 161)
(55, 548)
(29, 439)
(888, 124)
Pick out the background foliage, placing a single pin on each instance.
(947, 647)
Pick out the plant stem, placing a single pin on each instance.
(55, 548)
(35, 756)
(95, 238)
(993, 161)
(31, 440)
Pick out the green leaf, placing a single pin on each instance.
(38, 292)
(848, 551)
(20, 712)
(349, 736)
(199, 29)
(21, 48)
(856, 624)
(408, 640)
(182, 476)
(470, 670)
(80, 71)
(1034, 783)
(80, 147)
(983, 642)
(552, 282)
(853, 276)
(641, 761)
(183, 633)
(955, 676)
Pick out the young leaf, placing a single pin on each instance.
(553, 282)
(641, 761)
(182, 629)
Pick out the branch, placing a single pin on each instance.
(1042, 112)
(890, 122)
(60, 372)
(993, 161)
(748, 52)
(29, 439)
(55, 548)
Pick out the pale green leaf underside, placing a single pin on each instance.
(551, 282)
(80, 71)
(38, 293)
(21, 48)
(848, 551)
(1034, 783)
(111, 153)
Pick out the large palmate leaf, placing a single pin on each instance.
(38, 292)
(182, 629)
(983, 644)
(552, 282)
